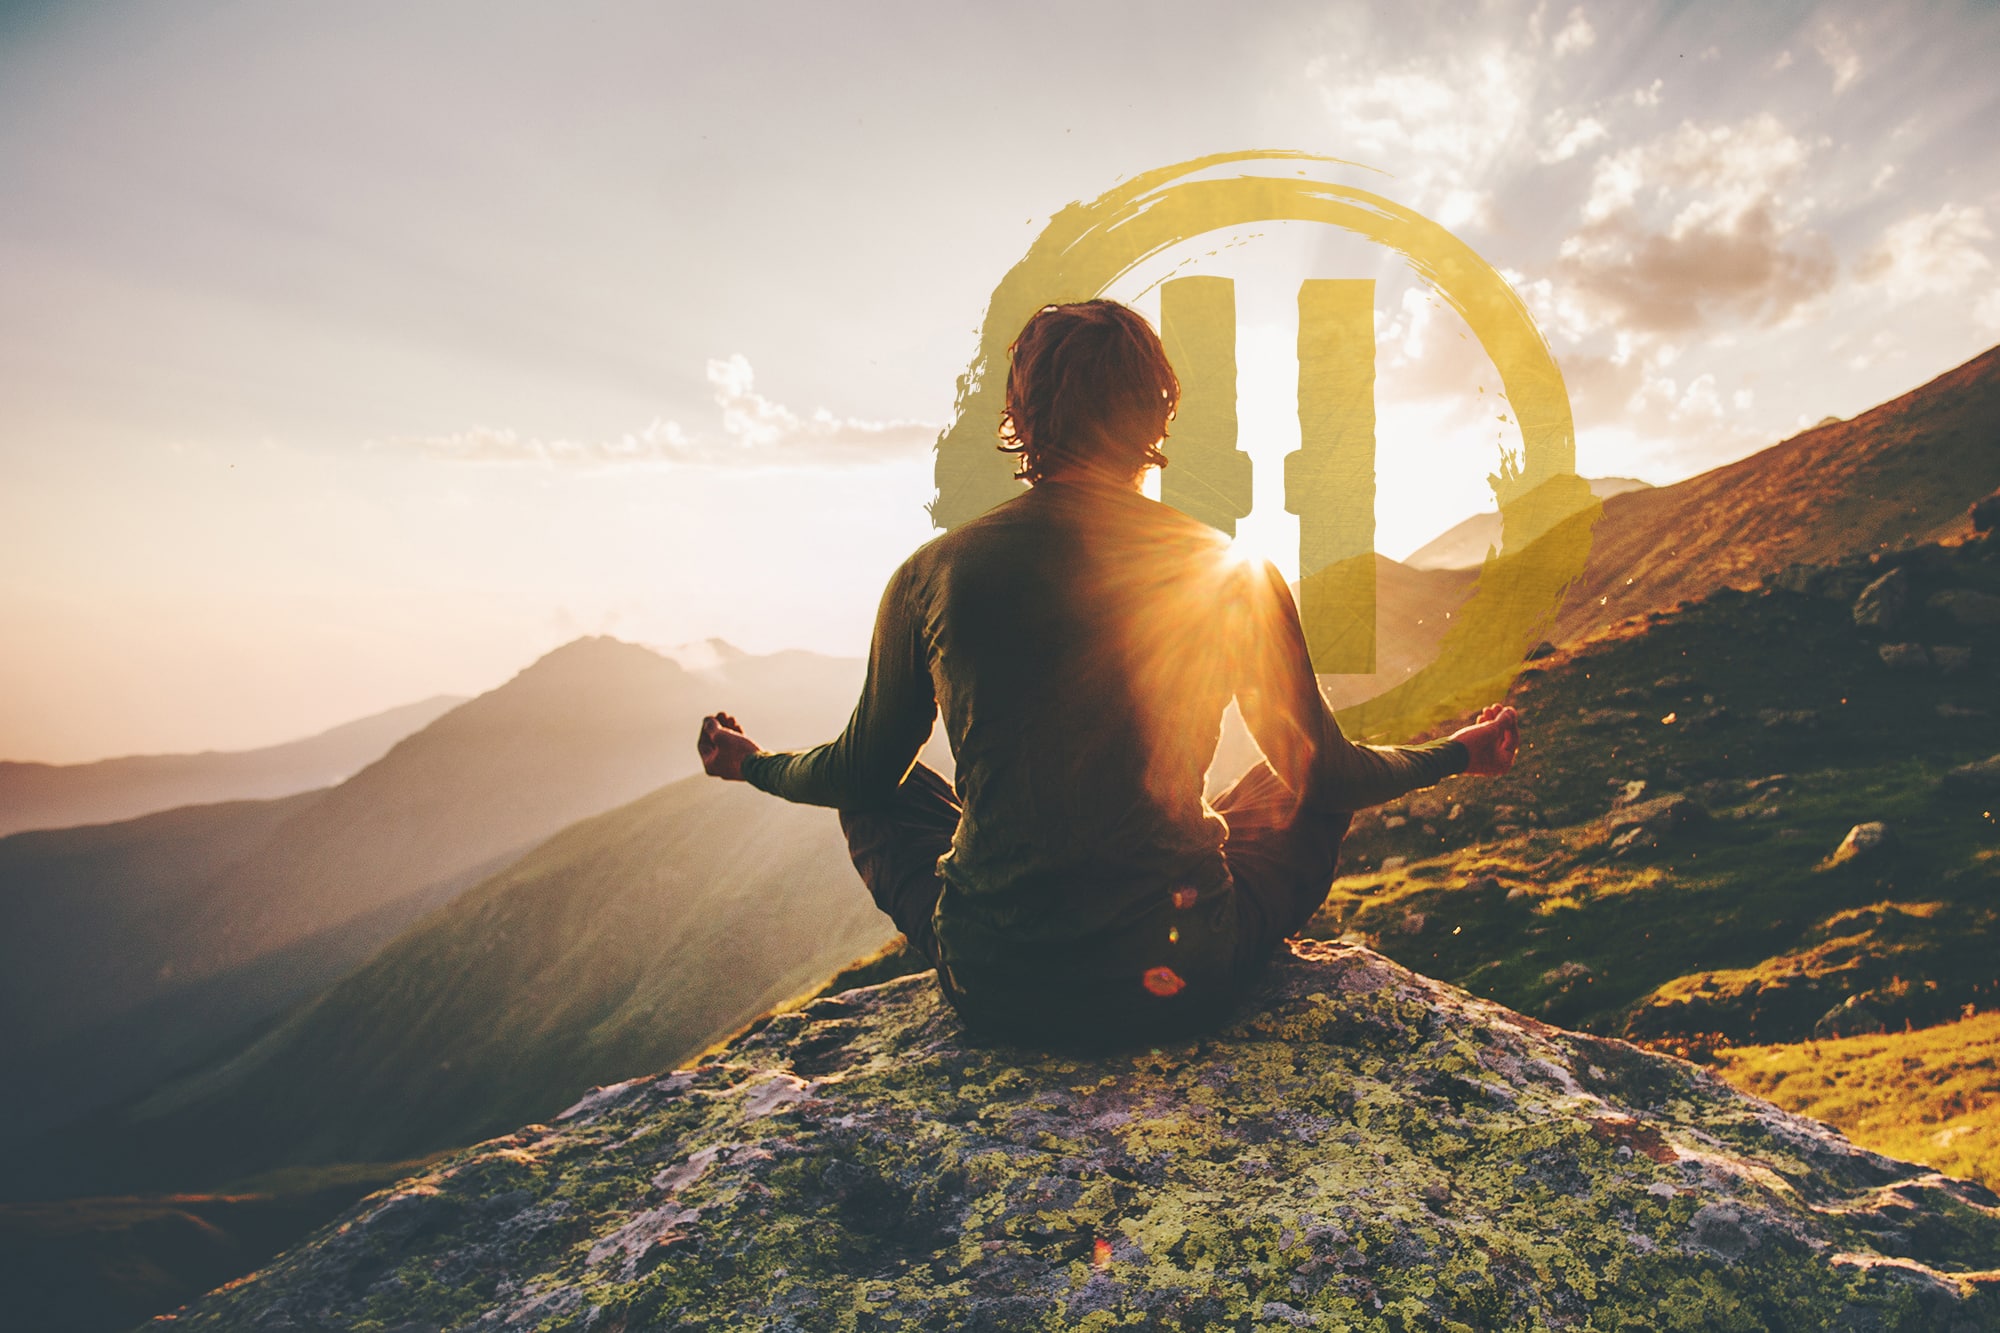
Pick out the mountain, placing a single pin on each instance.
(46, 796)
(1359, 1148)
(625, 943)
(129, 949)
(1464, 545)
(1899, 474)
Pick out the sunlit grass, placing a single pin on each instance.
(1929, 1096)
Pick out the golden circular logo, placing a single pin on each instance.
(1547, 511)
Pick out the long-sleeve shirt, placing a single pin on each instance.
(1082, 642)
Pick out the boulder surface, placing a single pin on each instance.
(1360, 1148)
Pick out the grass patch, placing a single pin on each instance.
(1931, 1095)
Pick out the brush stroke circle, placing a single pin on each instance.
(1547, 511)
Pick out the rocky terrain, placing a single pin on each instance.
(1361, 1148)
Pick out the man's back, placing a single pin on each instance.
(1080, 640)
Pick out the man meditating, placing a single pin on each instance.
(1081, 642)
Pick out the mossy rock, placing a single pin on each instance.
(1361, 1148)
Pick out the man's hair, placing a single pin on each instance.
(1088, 383)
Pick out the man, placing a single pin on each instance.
(1081, 642)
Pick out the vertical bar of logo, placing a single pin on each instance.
(1330, 480)
(1210, 476)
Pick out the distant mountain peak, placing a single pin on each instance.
(704, 654)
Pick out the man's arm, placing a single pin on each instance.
(1291, 723)
(864, 765)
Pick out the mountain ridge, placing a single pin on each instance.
(47, 796)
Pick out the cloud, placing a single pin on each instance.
(1838, 53)
(1567, 138)
(1577, 34)
(755, 432)
(1929, 253)
(1694, 224)
(1445, 125)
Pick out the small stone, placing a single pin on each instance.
(1456, 811)
(1904, 656)
(1967, 606)
(1394, 863)
(1394, 821)
(1863, 840)
(1566, 975)
(1517, 893)
(1413, 923)
(1629, 792)
(1882, 603)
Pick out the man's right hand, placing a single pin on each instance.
(1493, 739)
(723, 747)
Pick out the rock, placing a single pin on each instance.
(1851, 1018)
(1357, 1135)
(1904, 656)
(1967, 606)
(1863, 840)
(1668, 814)
(1517, 893)
(1390, 863)
(1455, 812)
(1566, 974)
(1978, 778)
(1882, 603)
(1796, 578)
(1638, 838)
(1950, 659)
(1629, 792)
(1709, 719)
(1394, 821)
(1986, 513)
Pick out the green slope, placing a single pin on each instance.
(1788, 729)
(617, 948)
(124, 948)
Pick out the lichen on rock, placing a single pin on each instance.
(1360, 1148)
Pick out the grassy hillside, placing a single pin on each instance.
(620, 946)
(124, 947)
(47, 796)
(1658, 864)
(1931, 1095)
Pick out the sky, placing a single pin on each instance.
(355, 353)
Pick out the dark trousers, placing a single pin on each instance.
(1282, 855)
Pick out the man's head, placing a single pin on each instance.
(1089, 385)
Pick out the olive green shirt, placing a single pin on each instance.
(1082, 642)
